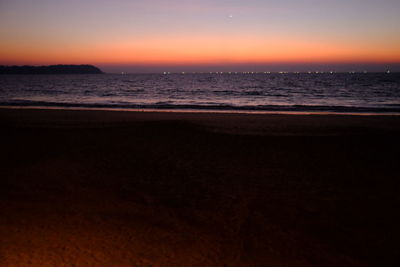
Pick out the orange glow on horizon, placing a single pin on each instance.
(198, 50)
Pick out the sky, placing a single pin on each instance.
(203, 35)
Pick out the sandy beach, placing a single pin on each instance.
(114, 188)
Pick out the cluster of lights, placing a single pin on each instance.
(268, 72)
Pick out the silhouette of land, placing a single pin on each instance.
(107, 188)
(53, 69)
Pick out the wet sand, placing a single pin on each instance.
(103, 188)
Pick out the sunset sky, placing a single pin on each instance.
(202, 35)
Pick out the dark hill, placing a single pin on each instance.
(53, 69)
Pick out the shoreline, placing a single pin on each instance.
(207, 111)
(264, 124)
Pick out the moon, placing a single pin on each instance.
(230, 16)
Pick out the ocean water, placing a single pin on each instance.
(298, 92)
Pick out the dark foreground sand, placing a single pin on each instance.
(98, 188)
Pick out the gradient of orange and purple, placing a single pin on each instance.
(233, 35)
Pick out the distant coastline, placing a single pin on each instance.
(52, 69)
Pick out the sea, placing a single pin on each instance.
(220, 92)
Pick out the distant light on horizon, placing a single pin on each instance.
(262, 72)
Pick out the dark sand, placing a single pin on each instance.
(101, 188)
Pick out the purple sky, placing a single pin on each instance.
(229, 35)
